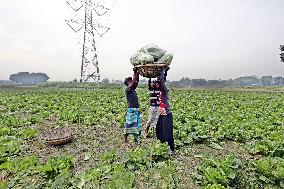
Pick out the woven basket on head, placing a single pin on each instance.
(57, 136)
(150, 70)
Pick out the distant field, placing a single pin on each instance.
(226, 138)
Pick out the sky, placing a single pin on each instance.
(211, 39)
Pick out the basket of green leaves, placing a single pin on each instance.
(150, 60)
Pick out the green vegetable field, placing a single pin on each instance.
(224, 140)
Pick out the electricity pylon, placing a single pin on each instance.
(91, 28)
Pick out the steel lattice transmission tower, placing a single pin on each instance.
(88, 22)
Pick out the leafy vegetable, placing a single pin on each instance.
(218, 171)
(57, 165)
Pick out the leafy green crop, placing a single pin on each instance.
(218, 171)
(201, 117)
(17, 165)
(57, 165)
(137, 158)
(9, 147)
(110, 176)
(270, 170)
(28, 133)
(163, 175)
(214, 186)
(160, 151)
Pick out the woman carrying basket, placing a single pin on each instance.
(164, 128)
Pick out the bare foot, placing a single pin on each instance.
(3, 176)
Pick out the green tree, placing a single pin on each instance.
(105, 81)
(185, 82)
(27, 78)
(266, 80)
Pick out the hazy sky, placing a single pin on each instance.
(210, 39)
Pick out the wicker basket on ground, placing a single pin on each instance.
(150, 70)
(57, 136)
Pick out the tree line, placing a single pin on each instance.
(245, 81)
(26, 78)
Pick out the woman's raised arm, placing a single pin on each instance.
(135, 79)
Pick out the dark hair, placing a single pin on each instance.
(126, 80)
(158, 82)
